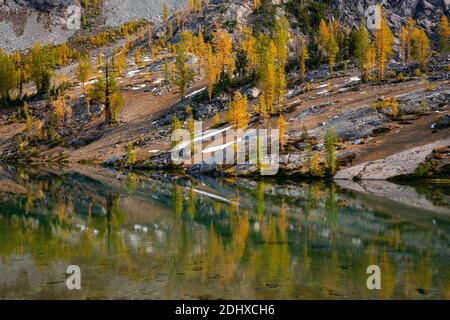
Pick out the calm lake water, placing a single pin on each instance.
(135, 237)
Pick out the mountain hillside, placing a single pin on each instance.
(426, 13)
(23, 22)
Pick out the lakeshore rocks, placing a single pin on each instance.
(292, 161)
(202, 169)
(345, 158)
(111, 161)
(399, 164)
(442, 123)
(160, 162)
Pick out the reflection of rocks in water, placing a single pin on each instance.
(399, 164)
(406, 195)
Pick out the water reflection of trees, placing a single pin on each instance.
(269, 249)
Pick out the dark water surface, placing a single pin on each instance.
(138, 238)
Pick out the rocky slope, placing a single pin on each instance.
(425, 12)
(23, 22)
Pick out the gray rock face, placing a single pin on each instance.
(253, 93)
(116, 12)
(23, 22)
(434, 100)
(45, 5)
(293, 161)
(121, 11)
(425, 12)
(356, 124)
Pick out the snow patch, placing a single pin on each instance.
(195, 92)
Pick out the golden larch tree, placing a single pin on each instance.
(282, 39)
(210, 70)
(303, 57)
(443, 33)
(281, 126)
(323, 38)
(421, 46)
(224, 51)
(383, 40)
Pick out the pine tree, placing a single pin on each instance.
(166, 12)
(248, 45)
(106, 91)
(210, 70)
(361, 47)
(303, 57)
(8, 77)
(370, 59)
(323, 38)
(99, 60)
(282, 39)
(403, 39)
(83, 71)
(28, 118)
(170, 30)
(444, 34)
(119, 62)
(241, 63)
(421, 46)
(280, 86)
(41, 68)
(191, 129)
(224, 51)
(332, 50)
(268, 80)
(131, 154)
(384, 40)
(314, 166)
(59, 109)
(138, 60)
(175, 125)
(330, 142)
(281, 126)
(166, 70)
(184, 75)
(216, 119)
(410, 26)
(238, 111)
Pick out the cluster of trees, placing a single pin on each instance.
(414, 44)
(37, 66)
(329, 42)
(314, 167)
